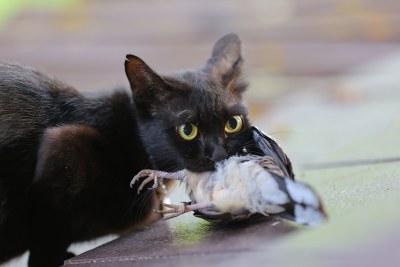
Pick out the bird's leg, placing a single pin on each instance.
(157, 177)
(176, 210)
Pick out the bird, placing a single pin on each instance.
(242, 186)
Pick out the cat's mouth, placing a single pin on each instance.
(199, 165)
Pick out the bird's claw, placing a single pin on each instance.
(157, 177)
(176, 210)
(151, 176)
(172, 210)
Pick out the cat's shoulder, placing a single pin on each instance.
(12, 71)
(15, 77)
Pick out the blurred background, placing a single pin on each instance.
(323, 74)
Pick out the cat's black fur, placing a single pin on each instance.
(66, 160)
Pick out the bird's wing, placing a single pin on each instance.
(264, 145)
(272, 166)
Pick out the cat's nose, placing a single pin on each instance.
(218, 154)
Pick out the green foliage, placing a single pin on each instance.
(9, 9)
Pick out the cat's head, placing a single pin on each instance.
(195, 118)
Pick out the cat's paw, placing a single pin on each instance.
(69, 255)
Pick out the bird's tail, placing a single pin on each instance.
(305, 206)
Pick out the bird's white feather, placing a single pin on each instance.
(302, 193)
(237, 186)
(241, 185)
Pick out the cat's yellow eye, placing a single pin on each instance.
(187, 131)
(234, 124)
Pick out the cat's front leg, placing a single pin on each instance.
(49, 232)
(53, 256)
(61, 201)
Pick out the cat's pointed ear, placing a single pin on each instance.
(226, 62)
(146, 85)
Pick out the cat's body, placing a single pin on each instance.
(66, 160)
(63, 159)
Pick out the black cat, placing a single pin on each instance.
(66, 160)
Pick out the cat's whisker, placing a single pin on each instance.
(166, 161)
(139, 203)
(282, 132)
(145, 195)
(146, 199)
